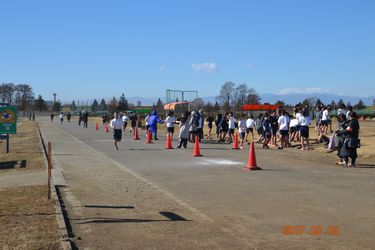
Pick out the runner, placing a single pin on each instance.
(242, 129)
(209, 121)
(133, 122)
(250, 127)
(69, 116)
(116, 125)
(170, 121)
(125, 120)
(61, 117)
(231, 126)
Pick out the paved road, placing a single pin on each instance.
(224, 206)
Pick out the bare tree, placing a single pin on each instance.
(199, 103)
(240, 96)
(24, 96)
(253, 96)
(226, 94)
(7, 92)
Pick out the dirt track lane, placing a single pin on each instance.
(226, 207)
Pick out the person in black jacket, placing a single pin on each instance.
(349, 147)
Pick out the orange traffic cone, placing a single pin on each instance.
(136, 136)
(197, 151)
(168, 144)
(252, 163)
(106, 127)
(97, 126)
(148, 141)
(235, 142)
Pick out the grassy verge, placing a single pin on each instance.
(27, 217)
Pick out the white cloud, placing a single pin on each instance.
(251, 66)
(205, 67)
(304, 91)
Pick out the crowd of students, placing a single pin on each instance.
(277, 129)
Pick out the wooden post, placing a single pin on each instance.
(7, 143)
(49, 169)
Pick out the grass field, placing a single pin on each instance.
(27, 217)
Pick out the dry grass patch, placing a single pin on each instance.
(25, 145)
(27, 219)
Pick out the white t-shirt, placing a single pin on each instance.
(250, 123)
(242, 126)
(117, 123)
(283, 122)
(304, 121)
(125, 118)
(347, 115)
(294, 122)
(298, 115)
(341, 111)
(147, 119)
(170, 121)
(231, 123)
(61, 115)
(325, 115)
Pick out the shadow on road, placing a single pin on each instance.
(169, 215)
(104, 206)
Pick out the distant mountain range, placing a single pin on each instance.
(272, 98)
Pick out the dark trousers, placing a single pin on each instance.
(182, 142)
(200, 133)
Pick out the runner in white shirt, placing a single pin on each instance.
(61, 117)
(231, 126)
(117, 126)
(304, 122)
(125, 120)
(242, 129)
(283, 122)
(170, 121)
(250, 123)
(293, 130)
(147, 119)
(326, 119)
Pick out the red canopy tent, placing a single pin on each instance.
(259, 107)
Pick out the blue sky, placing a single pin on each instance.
(94, 49)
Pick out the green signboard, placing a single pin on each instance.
(8, 120)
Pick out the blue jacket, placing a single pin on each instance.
(154, 120)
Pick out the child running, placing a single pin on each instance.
(170, 121)
(250, 126)
(116, 125)
(242, 129)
